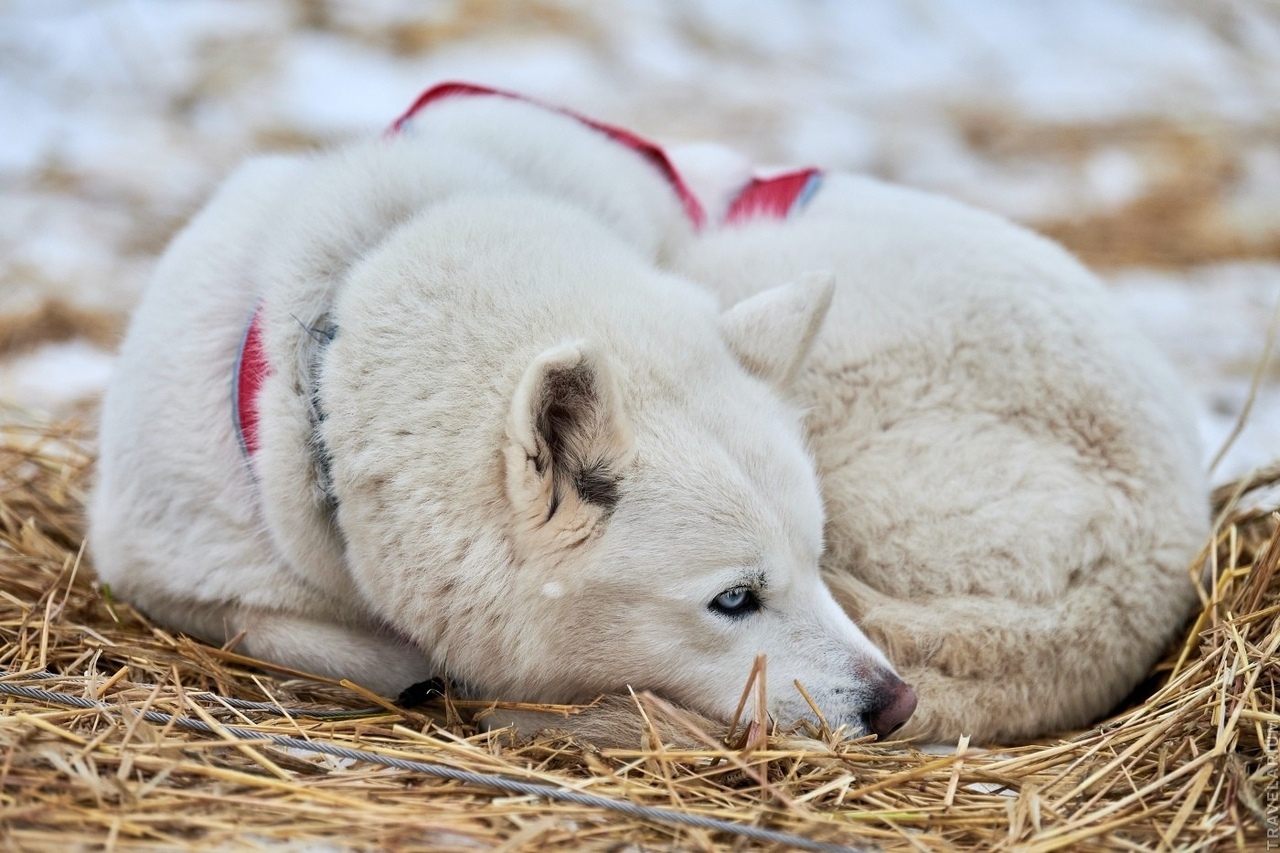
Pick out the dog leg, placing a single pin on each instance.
(377, 660)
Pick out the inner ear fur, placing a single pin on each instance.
(772, 332)
(568, 437)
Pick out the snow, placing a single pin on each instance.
(55, 376)
(331, 87)
(1213, 325)
(1113, 177)
(121, 115)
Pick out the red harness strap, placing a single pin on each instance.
(651, 152)
(773, 198)
(769, 198)
(252, 369)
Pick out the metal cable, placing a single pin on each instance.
(440, 771)
(241, 704)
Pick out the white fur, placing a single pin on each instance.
(528, 328)
(1011, 474)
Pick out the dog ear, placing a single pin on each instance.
(567, 440)
(772, 332)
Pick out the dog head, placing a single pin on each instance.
(597, 482)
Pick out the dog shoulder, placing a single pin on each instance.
(618, 178)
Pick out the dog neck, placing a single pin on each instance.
(252, 369)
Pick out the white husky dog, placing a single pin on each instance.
(504, 396)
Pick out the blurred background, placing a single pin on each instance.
(1144, 135)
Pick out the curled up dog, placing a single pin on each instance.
(520, 399)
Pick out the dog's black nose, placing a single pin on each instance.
(894, 704)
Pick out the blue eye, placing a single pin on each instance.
(737, 602)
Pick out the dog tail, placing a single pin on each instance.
(1003, 670)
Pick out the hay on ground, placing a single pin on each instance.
(1193, 766)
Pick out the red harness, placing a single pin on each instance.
(252, 369)
(770, 198)
(642, 146)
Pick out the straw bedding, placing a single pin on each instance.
(1190, 766)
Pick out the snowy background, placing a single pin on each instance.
(1144, 135)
